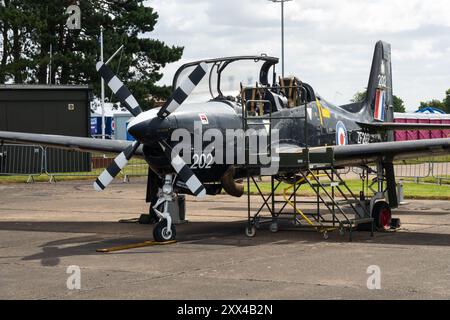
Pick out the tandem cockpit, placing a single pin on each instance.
(249, 82)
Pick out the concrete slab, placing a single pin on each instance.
(45, 228)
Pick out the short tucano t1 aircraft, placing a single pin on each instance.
(359, 134)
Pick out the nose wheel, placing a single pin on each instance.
(164, 230)
(161, 232)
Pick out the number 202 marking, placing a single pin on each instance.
(382, 81)
(203, 161)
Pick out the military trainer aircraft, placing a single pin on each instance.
(359, 133)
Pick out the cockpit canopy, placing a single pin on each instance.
(223, 72)
(246, 78)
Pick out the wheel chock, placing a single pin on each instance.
(136, 246)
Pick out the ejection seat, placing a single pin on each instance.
(250, 96)
(277, 100)
(297, 92)
(289, 86)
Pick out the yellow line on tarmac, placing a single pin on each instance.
(135, 246)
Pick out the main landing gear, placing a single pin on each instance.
(164, 230)
(382, 216)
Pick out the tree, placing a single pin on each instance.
(447, 101)
(443, 105)
(437, 104)
(28, 28)
(399, 105)
(359, 96)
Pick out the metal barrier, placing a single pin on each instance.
(34, 161)
(22, 160)
(417, 171)
(441, 171)
(67, 163)
(426, 170)
(85, 164)
(135, 168)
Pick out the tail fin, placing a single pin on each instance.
(379, 99)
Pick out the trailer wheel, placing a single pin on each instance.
(250, 231)
(382, 215)
(274, 227)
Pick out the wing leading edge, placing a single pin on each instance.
(359, 155)
(68, 143)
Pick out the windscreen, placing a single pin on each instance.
(231, 76)
(201, 92)
(245, 72)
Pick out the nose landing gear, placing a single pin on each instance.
(164, 229)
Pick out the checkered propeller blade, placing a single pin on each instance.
(185, 173)
(184, 90)
(119, 89)
(116, 166)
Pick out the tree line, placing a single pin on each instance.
(30, 29)
(443, 105)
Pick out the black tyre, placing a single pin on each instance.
(161, 233)
(382, 216)
(250, 231)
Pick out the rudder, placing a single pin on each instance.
(379, 99)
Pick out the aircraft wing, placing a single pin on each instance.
(350, 155)
(69, 143)
(357, 154)
(370, 153)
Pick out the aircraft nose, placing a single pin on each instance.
(138, 130)
(147, 126)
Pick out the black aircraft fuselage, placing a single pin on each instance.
(326, 124)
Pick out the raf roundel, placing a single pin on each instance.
(341, 134)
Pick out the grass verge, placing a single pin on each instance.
(427, 191)
(411, 190)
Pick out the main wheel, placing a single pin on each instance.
(162, 234)
(382, 215)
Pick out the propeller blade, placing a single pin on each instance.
(184, 90)
(116, 166)
(185, 174)
(119, 89)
